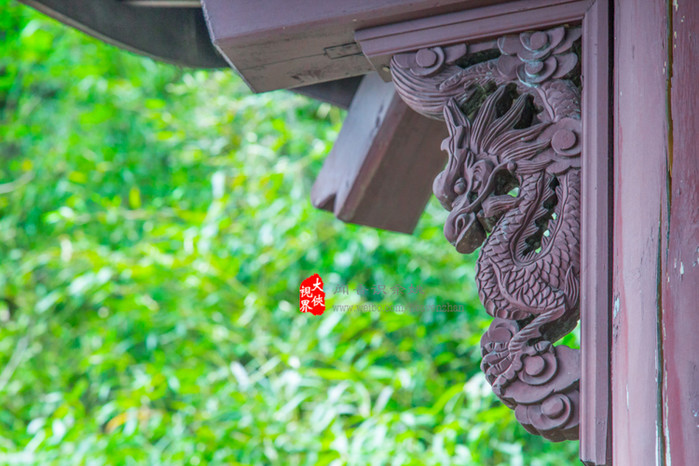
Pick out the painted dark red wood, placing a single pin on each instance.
(640, 223)
(680, 248)
(380, 170)
(275, 45)
(472, 25)
(339, 93)
(595, 291)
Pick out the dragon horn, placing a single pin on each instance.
(457, 125)
(453, 115)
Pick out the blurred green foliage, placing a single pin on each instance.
(155, 225)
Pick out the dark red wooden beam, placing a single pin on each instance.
(339, 93)
(380, 170)
(280, 44)
(476, 25)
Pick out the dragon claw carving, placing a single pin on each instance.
(512, 187)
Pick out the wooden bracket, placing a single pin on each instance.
(379, 172)
(508, 86)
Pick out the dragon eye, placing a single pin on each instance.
(460, 186)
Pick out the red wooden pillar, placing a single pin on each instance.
(655, 342)
(680, 279)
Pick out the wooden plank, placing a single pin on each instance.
(173, 35)
(640, 223)
(274, 44)
(339, 93)
(680, 282)
(596, 234)
(380, 170)
(379, 44)
(303, 71)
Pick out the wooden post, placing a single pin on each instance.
(680, 248)
(655, 374)
(595, 295)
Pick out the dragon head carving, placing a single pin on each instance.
(483, 161)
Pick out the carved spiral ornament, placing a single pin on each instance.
(512, 187)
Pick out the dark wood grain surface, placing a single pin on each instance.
(380, 170)
(275, 45)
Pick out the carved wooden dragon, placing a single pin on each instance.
(514, 172)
